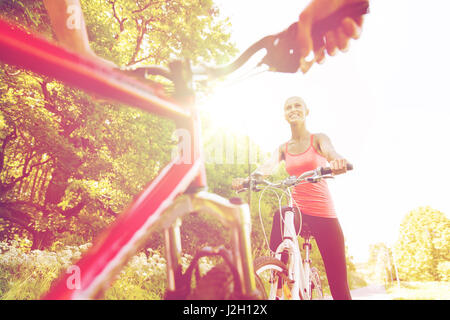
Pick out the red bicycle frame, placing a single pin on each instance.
(119, 242)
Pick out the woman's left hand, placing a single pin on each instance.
(338, 166)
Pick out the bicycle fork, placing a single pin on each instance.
(233, 214)
(307, 268)
(296, 271)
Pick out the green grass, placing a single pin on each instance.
(27, 274)
(432, 290)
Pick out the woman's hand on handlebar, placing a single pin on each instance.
(336, 38)
(339, 166)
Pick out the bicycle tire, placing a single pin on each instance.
(269, 271)
(315, 285)
(218, 284)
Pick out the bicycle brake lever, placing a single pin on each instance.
(283, 51)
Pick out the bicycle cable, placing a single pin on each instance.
(245, 76)
(280, 199)
(299, 214)
(287, 193)
(260, 215)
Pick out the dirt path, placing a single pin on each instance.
(371, 292)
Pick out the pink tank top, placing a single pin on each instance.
(312, 198)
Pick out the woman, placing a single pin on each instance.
(304, 152)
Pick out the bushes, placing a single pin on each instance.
(27, 274)
(422, 249)
(444, 270)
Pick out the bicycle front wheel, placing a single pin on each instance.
(271, 275)
(217, 284)
(315, 285)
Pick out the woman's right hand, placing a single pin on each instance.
(335, 39)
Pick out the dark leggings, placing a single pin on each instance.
(330, 241)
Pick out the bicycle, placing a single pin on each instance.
(180, 187)
(297, 278)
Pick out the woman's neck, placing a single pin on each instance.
(298, 131)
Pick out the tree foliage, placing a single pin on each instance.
(70, 163)
(423, 248)
(381, 263)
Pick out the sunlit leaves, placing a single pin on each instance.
(153, 32)
(423, 245)
(72, 161)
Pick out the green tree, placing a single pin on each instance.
(423, 246)
(381, 263)
(69, 163)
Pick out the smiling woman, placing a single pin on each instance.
(295, 109)
(304, 152)
(384, 103)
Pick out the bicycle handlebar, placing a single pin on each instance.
(327, 170)
(312, 176)
(283, 51)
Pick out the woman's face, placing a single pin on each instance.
(295, 110)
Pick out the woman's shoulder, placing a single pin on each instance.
(319, 137)
(318, 140)
(281, 150)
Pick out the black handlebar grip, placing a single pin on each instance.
(327, 170)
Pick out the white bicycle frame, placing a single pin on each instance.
(298, 269)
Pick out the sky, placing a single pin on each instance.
(384, 104)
